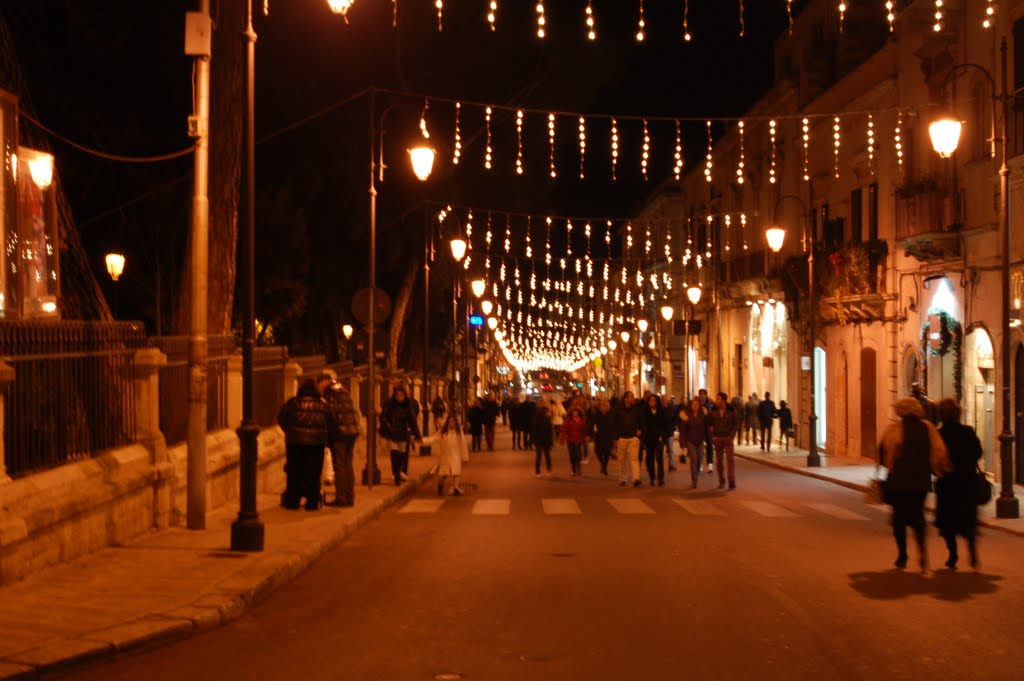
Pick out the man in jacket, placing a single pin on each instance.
(749, 416)
(709, 450)
(766, 413)
(340, 402)
(309, 425)
(723, 423)
(398, 426)
(491, 410)
(627, 444)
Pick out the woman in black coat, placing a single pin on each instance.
(956, 512)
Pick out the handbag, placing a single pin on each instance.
(982, 487)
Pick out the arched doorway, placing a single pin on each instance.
(868, 403)
(979, 401)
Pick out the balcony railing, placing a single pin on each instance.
(72, 394)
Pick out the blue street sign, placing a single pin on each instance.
(476, 320)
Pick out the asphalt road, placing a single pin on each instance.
(784, 578)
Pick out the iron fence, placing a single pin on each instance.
(174, 385)
(72, 394)
(268, 383)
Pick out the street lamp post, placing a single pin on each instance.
(115, 267)
(776, 235)
(693, 294)
(458, 246)
(945, 135)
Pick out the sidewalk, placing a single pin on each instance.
(172, 583)
(856, 473)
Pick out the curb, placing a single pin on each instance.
(242, 590)
(862, 488)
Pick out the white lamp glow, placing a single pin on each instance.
(115, 265)
(667, 312)
(487, 306)
(422, 158)
(340, 6)
(478, 286)
(776, 237)
(612, 344)
(41, 170)
(458, 248)
(492, 323)
(694, 293)
(945, 134)
(642, 325)
(347, 331)
(624, 336)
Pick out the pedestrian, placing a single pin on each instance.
(785, 423)
(709, 450)
(529, 408)
(912, 451)
(669, 410)
(601, 428)
(765, 415)
(956, 511)
(692, 431)
(739, 407)
(451, 454)
(340, 402)
(309, 425)
(543, 437)
(515, 424)
(723, 421)
(627, 443)
(574, 434)
(398, 427)
(557, 411)
(438, 408)
(491, 411)
(750, 420)
(476, 425)
(652, 428)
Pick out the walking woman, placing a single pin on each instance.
(543, 437)
(451, 452)
(574, 433)
(601, 428)
(692, 432)
(912, 450)
(652, 426)
(956, 513)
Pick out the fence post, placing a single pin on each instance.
(147, 363)
(6, 378)
(234, 392)
(292, 371)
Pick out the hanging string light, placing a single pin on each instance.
(898, 141)
(990, 10)
(487, 143)
(640, 24)
(739, 166)
(842, 16)
(508, 236)
(743, 230)
(771, 135)
(938, 16)
(439, 4)
(807, 149)
(615, 146)
(728, 233)
(551, 144)
(890, 14)
(423, 119)
(871, 144)
(529, 246)
(789, 15)
(583, 143)
(591, 30)
(686, 21)
(492, 15)
(677, 170)
(743, 25)
(645, 155)
(519, 142)
(541, 20)
(458, 136)
(836, 142)
(708, 162)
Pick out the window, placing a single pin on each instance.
(856, 210)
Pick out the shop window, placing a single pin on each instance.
(36, 254)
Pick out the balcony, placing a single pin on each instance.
(852, 282)
(926, 224)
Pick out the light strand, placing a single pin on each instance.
(458, 136)
(678, 169)
(551, 144)
(423, 119)
(492, 14)
(871, 144)
(615, 146)
(687, 36)
(898, 141)
(583, 143)
(807, 149)
(519, 142)
(708, 162)
(743, 22)
(640, 24)
(487, 143)
(771, 169)
(890, 14)
(541, 19)
(646, 152)
(589, 21)
(789, 15)
(836, 133)
(741, 163)
(990, 10)
(938, 16)
(842, 16)
(439, 4)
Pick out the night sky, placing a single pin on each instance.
(110, 74)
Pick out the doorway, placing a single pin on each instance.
(819, 395)
(739, 370)
(868, 404)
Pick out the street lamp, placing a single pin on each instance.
(115, 266)
(478, 286)
(776, 236)
(945, 135)
(347, 331)
(486, 306)
(458, 247)
(693, 294)
(642, 325)
(667, 312)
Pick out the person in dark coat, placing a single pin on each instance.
(543, 437)
(340, 402)
(723, 422)
(515, 424)
(912, 451)
(398, 426)
(601, 427)
(475, 418)
(750, 420)
(956, 513)
(709, 450)
(652, 428)
(785, 423)
(529, 412)
(766, 413)
(692, 430)
(491, 412)
(309, 425)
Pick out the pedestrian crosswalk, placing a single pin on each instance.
(627, 506)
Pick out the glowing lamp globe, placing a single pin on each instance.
(642, 325)
(478, 286)
(115, 265)
(693, 293)
(347, 331)
(666, 312)
(492, 323)
(945, 134)
(624, 336)
(612, 344)
(458, 246)
(422, 158)
(775, 236)
(340, 6)
(486, 306)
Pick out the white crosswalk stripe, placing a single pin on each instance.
(699, 507)
(492, 507)
(422, 506)
(631, 506)
(561, 507)
(769, 510)
(837, 512)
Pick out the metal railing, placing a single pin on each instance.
(174, 385)
(268, 383)
(72, 396)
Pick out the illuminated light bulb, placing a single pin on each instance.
(807, 145)
(677, 170)
(898, 140)
(492, 14)
(739, 166)
(842, 15)
(487, 144)
(708, 162)
(640, 24)
(591, 30)
(645, 155)
(458, 136)
(583, 144)
(615, 146)
(890, 15)
(551, 144)
(990, 11)
(686, 21)
(771, 170)
(871, 143)
(938, 16)
(519, 143)
(439, 4)
(541, 21)
(835, 137)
